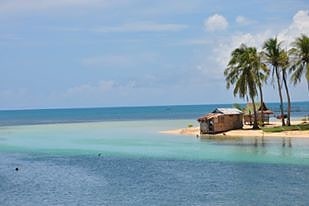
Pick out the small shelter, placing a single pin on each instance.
(221, 120)
(249, 113)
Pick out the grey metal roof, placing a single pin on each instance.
(227, 111)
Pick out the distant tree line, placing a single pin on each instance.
(248, 70)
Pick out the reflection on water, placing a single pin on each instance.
(260, 149)
(248, 141)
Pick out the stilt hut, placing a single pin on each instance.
(221, 120)
(249, 114)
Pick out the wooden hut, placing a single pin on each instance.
(249, 114)
(221, 120)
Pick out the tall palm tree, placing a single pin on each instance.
(272, 52)
(284, 65)
(262, 73)
(300, 54)
(240, 72)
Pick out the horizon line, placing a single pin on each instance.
(131, 106)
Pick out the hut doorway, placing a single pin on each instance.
(210, 124)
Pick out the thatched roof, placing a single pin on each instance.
(209, 116)
(249, 108)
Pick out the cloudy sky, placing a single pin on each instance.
(94, 53)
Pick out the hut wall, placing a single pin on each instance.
(265, 117)
(228, 122)
(203, 127)
(249, 119)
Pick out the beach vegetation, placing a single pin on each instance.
(238, 106)
(262, 74)
(241, 73)
(299, 127)
(273, 55)
(249, 70)
(300, 57)
(285, 65)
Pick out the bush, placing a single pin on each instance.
(299, 127)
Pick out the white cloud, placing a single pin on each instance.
(299, 25)
(141, 27)
(223, 49)
(216, 22)
(243, 20)
(301, 20)
(118, 60)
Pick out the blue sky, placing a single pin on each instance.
(94, 53)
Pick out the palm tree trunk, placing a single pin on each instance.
(288, 97)
(255, 123)
(262, 104)
(307, 74)
(280, 96)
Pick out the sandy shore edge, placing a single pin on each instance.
(245, 132)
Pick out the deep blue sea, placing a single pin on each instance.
(117, 156)
(41, 116)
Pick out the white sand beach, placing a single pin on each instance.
(245, 132)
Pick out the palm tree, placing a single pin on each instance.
(300, 54)
(272, 52)
(240, 72)
(285, 64)
(262, 73)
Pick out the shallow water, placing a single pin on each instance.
(131, 163)
(142, 139)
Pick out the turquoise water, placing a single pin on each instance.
(142, 139)
(129, 162)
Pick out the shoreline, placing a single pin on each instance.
(245, 132)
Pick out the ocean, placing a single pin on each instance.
(47, 116)
(116, 156)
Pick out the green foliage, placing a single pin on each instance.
(300, 55)
(300, 127)
(190, 125)
(248, 69)
(241, 72)
(274, 56)
(238, 106)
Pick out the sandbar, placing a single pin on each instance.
(245, 132)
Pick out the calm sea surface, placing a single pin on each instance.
(90, 157)
(17, 117)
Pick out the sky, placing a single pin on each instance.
(103, 53)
